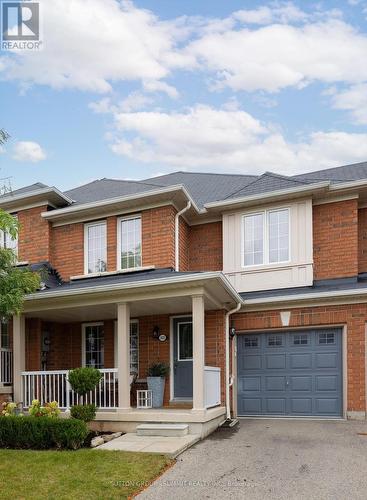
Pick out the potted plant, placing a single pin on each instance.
(82, 381)
(156, 379)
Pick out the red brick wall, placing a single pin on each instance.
(184, 241)
(335, 239)
(158, 242)
(34, 236)
(206, 247)
(67, 250)
(353, 316)
(33, 344)
(362, 240)
(215, 354)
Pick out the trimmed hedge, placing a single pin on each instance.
(41, 433)
(87, 413)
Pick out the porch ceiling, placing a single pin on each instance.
(84, 313)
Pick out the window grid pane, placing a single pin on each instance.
(4, 336)
(94, 346)
(130, 243)
(97, 251)
(134, 348)
(254, 239)
(278, 230)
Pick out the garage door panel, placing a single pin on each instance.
(273, 383)
(275, 361)
(290, 373)
(327, 360)
(251, 406)
(326, 382)
(251, 383)
(301, 383)
(301, 406)
(327, 406)
(276, 406)
(251, 362)
(300, 361)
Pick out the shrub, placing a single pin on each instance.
(42, 433)
(87, 413)
(83, 380)
(158, 370)
(9, 408)
(49, 410)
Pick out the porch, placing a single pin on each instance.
(50, 338)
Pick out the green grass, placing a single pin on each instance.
(81, 474)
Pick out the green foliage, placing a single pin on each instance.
(158, 370)
(15, 282)
(42, 433)
(85, 379)
(87, 413)
(50, 410)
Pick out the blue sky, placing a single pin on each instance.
(134, 89)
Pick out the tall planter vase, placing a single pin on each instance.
(156, 385)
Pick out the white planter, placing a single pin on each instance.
(156, 385)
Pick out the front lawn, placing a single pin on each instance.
(76, 474)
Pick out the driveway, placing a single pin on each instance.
(272, 459)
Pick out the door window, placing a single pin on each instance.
(184, 341)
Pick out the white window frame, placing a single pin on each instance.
(119, 241)
(86, 243)
(179, 323)
(266, 260)
(136, 321)
(84, 327)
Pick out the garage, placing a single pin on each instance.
(295, 373)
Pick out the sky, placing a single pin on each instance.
(132, 90)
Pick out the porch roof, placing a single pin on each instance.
(156, 291)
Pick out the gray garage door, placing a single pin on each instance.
(296, 373)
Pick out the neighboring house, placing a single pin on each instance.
(192, 269)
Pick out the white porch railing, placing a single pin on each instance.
(6, 366)
(212, 386)
(47, 386)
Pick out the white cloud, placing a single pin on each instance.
(88, 44)
(28, 151)
(278, 12)
(159, 86)
(278, 56)
(353, 100)
(205, 137)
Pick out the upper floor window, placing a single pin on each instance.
(266, 237)
(129, 242)
(95, 247)
(6, 241)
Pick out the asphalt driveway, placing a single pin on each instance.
(272, 459)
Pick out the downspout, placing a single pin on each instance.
(177, 235)
(228, 382)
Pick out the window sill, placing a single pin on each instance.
(111, 273)
(23, 263)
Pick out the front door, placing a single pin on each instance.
(182, 358)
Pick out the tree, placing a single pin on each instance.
(4, 136)
(15, 282)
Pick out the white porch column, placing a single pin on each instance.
(198, 351)
(123, 354)
(18, 356)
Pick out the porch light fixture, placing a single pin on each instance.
(232, 332)
(156, 332)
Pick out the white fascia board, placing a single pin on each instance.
(140, 284)
(309, 188)
(61, 212)
(31, 194)
(348, 185)
(305, 296)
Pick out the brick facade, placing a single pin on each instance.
(352, 316)
(34, 236)
(206, 247)
(362, 240)
(335, 239)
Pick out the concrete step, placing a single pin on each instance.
(168, 430)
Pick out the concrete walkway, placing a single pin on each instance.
(272, 460)
(171, 446)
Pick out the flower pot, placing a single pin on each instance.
(156, 385)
